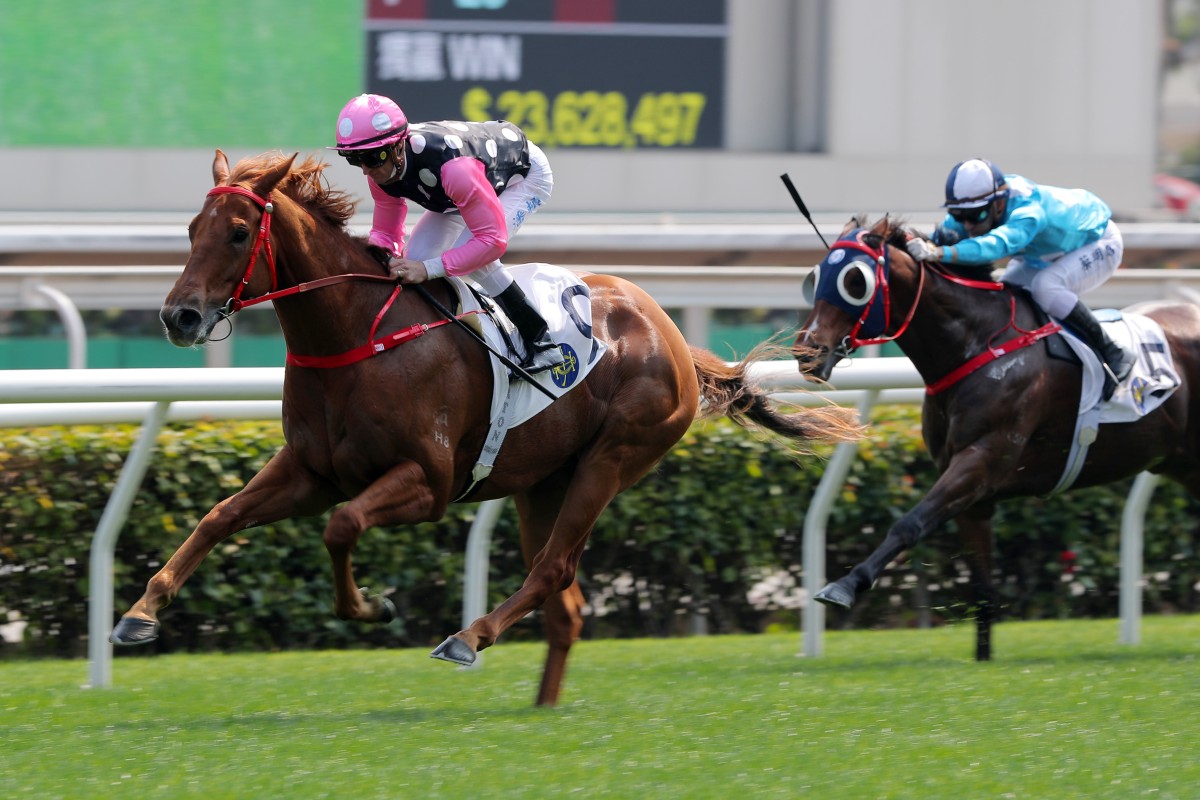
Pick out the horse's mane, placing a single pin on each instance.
(897, 234)
(304, 183)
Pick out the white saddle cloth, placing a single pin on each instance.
(564, 301)
(1152, 380)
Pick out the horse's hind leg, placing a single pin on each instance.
(611, 465)
(975, 528)
(562, 611)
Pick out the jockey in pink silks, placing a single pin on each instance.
(478, 181)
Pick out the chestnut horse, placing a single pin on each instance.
(1002, 430)
(392, 439)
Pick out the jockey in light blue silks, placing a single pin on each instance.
(1061, 243)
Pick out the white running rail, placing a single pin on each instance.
(155, 395)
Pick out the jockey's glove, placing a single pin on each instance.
(380, 254)
(922, 250)
(945, 236)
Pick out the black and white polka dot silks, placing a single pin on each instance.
(500, 146)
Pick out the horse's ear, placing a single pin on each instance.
(267, 182)
(850, 225)
(220, 169)
(880, 228)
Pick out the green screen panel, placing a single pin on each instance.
(134, 73)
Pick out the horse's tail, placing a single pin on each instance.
(726, 390)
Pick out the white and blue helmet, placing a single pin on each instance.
(973, 183)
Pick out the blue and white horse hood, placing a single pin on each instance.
(852, 276)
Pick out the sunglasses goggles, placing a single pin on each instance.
(973, 216)
(371, 159)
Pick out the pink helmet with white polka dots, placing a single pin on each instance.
(370, 120)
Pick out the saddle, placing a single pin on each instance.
(1151, 381)
(1057, 346)
(565, 303)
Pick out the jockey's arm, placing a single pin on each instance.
(1003, 241)
(387, 223)
(466, 183)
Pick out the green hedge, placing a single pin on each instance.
(695, 539)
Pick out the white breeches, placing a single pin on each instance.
(1057, 286)
(434, 234)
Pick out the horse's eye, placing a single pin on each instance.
(808, 288)
(856, 283)
(240, 234)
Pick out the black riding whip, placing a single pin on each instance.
(505, 360)
(800, 205)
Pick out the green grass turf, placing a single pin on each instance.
(1063, 712)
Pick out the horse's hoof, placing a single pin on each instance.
(456, 651)
(387, 609)
(134, 630)
(835, 595)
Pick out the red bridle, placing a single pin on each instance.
(263, 242)
(880, 258)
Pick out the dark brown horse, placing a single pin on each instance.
(1000, 430)
(393, 438)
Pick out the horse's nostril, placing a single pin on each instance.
(189, 319)
(806, 353)
(181, 319)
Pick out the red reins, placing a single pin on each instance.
(991, 353)
(883, 289)
(263, 244)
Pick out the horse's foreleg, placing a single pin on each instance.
(402, 496)
(959, 487)
(282, 489)
(975, 528)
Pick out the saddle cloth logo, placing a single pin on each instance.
(566, 373)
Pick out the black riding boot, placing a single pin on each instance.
(540, 352)
(1117, 362)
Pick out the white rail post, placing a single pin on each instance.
(72, 323)
(814, 533)
(1133, 521)
(100, 570)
